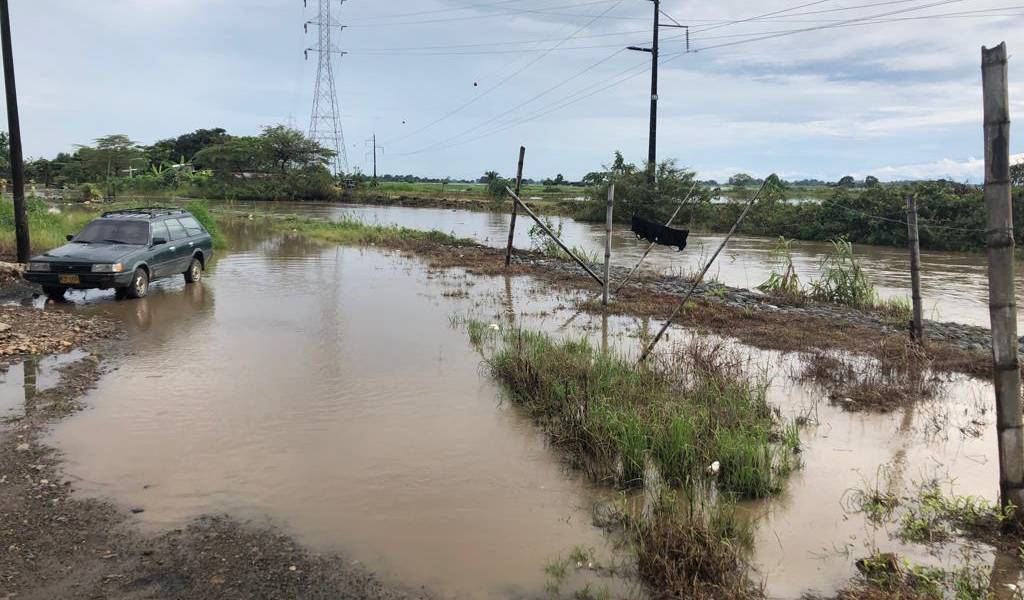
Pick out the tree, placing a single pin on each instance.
(288, 149)
(233, 157)
(184, 147)
(110, 156)
(5, 155)
(775, 190)
(871, 181)
(595, 178)
(847, 182)
(741, 180)
(1017, 174)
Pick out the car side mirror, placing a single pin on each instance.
(71, 237)
(159, 241)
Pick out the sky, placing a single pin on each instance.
(802, 88)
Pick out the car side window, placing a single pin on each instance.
(192, 226)
(160, 231)
(177, 230)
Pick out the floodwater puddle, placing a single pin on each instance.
(20, 382)
(954, 284)
(325, 390)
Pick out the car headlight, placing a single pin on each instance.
(114, 268)
(38, 266)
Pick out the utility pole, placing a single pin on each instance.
(375, 148)
(515, 205)
(654, 50)
(917, 326)
(14, 124)
(1002, 300)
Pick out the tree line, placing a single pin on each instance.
(279, 163)
(951, 214)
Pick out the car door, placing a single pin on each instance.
(163, 256)
(198, 239)
(179, 246)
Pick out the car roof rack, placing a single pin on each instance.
(145, 211)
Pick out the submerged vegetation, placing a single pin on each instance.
(680, 415)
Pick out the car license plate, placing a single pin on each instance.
(69, 279)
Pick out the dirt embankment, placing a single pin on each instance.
(53, 545)
(747, 316)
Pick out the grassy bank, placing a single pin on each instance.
(352, 231)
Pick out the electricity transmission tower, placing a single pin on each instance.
(325, 122)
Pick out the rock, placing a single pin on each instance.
(137, 511)
(4, 327)
(22, 448)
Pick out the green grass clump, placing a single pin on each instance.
(202, 214)
(47, 230)
(352, 231)
(843, 279)
(616, 419)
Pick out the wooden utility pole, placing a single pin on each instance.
(1002, 303)
(515, 206)
(917, 325)
(652, 141)
(608, 242)
(14, 125)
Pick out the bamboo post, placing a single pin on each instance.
(512, 223)
(917, 326)
(1002, 303)
(608, 243)
(551, 234)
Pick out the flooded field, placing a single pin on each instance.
(954, 285)
(331, 392)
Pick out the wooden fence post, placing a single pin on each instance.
(515, 206)
(917, 325)
(608, 242)
(1002, 302)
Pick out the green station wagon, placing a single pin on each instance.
(125, 250)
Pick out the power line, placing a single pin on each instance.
(507, 78)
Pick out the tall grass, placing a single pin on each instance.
(617, 419)
(843, 280)
(350, 230)
(47, 230)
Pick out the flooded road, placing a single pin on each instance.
(954, 285)
(326, 390)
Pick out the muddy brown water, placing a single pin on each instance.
(325, 390)
(954, 284)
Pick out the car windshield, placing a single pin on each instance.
(112, 231)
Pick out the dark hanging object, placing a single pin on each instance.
(656, 233)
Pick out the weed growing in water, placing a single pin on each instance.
(783, 282)
(843, 280)
(616, 419)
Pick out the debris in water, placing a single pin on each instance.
(715, 468)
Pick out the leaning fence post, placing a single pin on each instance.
(515, 206)
(1002, 303)
(608, 242)
(917, 326)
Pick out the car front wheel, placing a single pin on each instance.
(195, 271)
(140, 284)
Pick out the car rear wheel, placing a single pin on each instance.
(55, 292)
(140, 284)
(195, 271)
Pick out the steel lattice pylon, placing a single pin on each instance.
(325, 122)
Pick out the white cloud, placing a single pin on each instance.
(970, 169)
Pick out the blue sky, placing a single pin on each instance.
(899, 99)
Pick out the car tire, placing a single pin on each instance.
(195, 271)
(55, 292)
(121, 293)
(139, 286)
